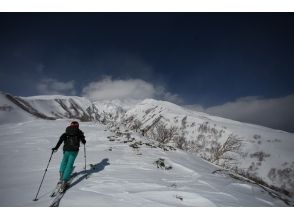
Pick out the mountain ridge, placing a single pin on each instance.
(125, 107)
(256, 152)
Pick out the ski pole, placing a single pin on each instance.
(43, 176)
(85, 159)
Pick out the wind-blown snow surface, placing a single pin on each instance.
(122, 176)
(264, 153)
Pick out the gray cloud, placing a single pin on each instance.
(136, 89)
(276, 113)
(49, 86)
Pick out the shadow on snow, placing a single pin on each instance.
(95, 168)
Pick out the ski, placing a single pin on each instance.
(60, 194)
(55, 191)
(57, 200)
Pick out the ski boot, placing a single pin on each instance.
(63, 187)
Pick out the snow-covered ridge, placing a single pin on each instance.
(263, 154)
(47, 107)
(11, 112)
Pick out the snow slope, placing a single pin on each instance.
(45, 107)
(265, 154)
(123, 176)
(11, 113)
(110, 110)
(62, 106)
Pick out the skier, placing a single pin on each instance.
(71, 138)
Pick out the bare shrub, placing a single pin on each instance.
(136, 125)
(285, 177)
(256, 136)
(162, 134)
(243, 154)
(203, 128)
(214, 131)
(259, 155)
(6, 108)
(272, 174)
(232, 144)
(134, 145)
(207, 138)
(85, 118)
(253, 167)
(197, 145)
(180, 141)
(277, 140)
(215, 144)
(160, 163)
(128, 120)
(201, 141)
(184, 122)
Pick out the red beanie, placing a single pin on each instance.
(74, 124)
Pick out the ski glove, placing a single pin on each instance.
(84, 141)
(54, 149)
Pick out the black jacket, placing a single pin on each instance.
(71, 131)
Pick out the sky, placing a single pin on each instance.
(236, 65)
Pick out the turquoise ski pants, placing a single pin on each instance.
(67, 163)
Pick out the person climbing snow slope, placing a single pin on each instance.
(71, 138)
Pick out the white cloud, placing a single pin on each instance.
(161, 93)
(276, 113)
(50, 86)
(136, 89)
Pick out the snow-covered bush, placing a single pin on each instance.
(6, 108)
(180, 142)
(85, 118)
(283, 176)
(184, 123)
(136, 125)
(256, 136)
(231, 145)
(161, 133)
(259, 155)
(160, 163)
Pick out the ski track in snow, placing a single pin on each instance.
(121, 177)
